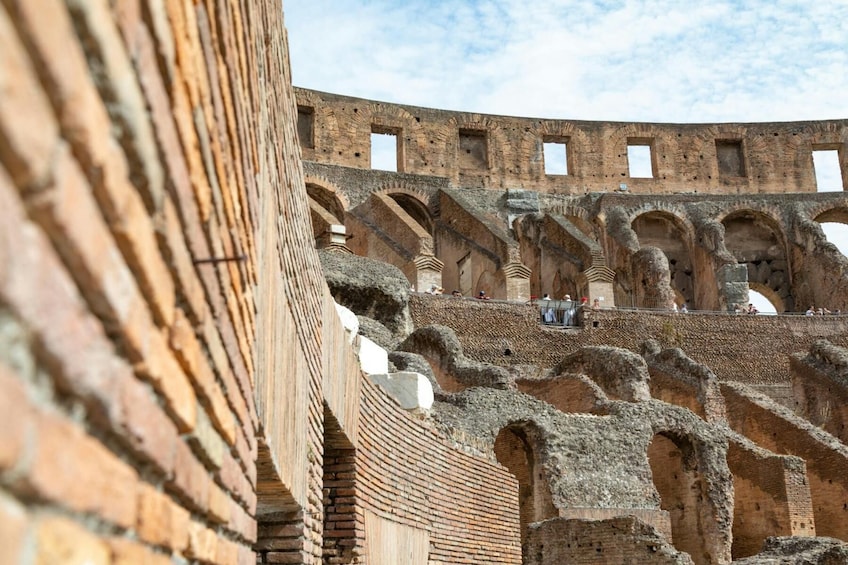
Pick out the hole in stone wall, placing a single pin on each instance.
(828, 174)
(676, 478)
(640, 162)
(837, 234)
(385, 150)
(556, 157)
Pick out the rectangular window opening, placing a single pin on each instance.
(473, 150)
(640, 161)
(731, 158)
(828, 173)
(384, 150)
(556, 157)
(305, 126)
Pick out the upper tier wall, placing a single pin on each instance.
(478, 150)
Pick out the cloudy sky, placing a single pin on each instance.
(622, 60)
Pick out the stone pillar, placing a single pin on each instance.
(334, 237)
(517, 281)
(597, 281)
(425, 271)
(732, 282)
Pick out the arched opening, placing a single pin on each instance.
(325, 208)
(764, 299)
(415, 208)
(514, 450)
(675, 473)
(755, 240)
(834, 224)
(666, 232)
(837, 234)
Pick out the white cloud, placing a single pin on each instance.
(634, 60)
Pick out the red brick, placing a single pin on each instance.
(219, 504)
(16, 420)
(190, 479)
(60, 540)
(28, 144)
(146, 426)
(14, 523)
(126, 552)
(74, 470)
(154, 516)
(187, 348)
(202, 542)
(180, 520)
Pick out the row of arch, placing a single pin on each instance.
(742, 233)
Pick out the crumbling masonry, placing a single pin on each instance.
(209, 351)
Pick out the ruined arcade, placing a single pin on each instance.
(216, 344)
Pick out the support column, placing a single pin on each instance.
(597, 281)
(517, 281)
(426, 271)
(334, 237)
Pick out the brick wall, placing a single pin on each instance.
(750, 349)
(408, 473)
(159, 403)
(769, 157)
(778, 430)
(128, 154)
(771, 497)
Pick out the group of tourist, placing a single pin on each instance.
(821, 311)
(566, 311)
(568, 316)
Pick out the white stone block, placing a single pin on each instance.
(349, 321)
(373, 359)
(411, 390)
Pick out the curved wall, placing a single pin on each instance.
(479, 150)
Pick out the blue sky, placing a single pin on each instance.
(620, 60)
(641, 60)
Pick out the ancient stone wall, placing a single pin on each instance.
(128, 163)
(468, 505)
(750, 349)
(478, 150)
(176, 383)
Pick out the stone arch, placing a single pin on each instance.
(682, 489)
(326, 205)
(414, 202)
(672, 234)
(827, 212)
(755, 239)
(517, 447)
(770, 295)
(328, 195)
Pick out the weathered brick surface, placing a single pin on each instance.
(778, 156)
(113, 130)
(732, 346)
(175, 384)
